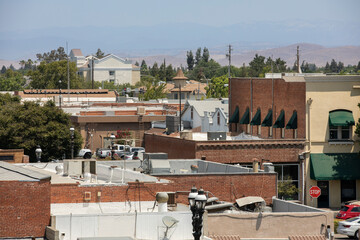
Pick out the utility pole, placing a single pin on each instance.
(92, 72)
(228, 55)
(298, 59)
(68, 71)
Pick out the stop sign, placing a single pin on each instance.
(315, 191)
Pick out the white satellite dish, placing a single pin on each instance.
(169, 222)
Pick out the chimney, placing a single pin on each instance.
(255, 165)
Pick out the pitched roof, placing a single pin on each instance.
(180, 75)
(190, 86)
(207, 106)
(10, 172)
(77, 52)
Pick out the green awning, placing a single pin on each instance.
(280, 121)
(245, 118)
(268, 120)
(257, 118)
(292, 124)
(334, 166)
(341, 118)
(235, 117)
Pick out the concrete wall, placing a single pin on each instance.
(24, 208)
(269, 225)
(143, 225)
(288, 96)
(287, 206)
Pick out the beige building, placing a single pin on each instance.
(332, 158)
(110, 68)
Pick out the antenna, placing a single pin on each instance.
(228, 55)
(169, 222)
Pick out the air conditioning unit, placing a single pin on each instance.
(79, 167)
(141, 110)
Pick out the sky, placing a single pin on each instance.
(29, 26)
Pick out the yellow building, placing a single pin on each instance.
(332, 159)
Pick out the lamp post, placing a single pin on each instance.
(38, 152)
(60, 93)
(197, 202)
(112, 137)
(72, 130)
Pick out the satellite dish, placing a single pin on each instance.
(169, 222)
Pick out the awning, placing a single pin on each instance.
(292, 124)
(257, 118)
(268, 120)
(341, 118)
(334, 166)
(280, 121)
(245, 118)
(235, 117)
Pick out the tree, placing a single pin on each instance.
(340, 66)
(99, 54)
(190, 60)
(357, 69)
(257, 65)
(52, 56)
(333, 66)
(11, 81)
(198, 56)
(3, 69)
(12, 67)
(206, 55)
(327, 67)
(217, 87)
(26, 125)
(286, 189)
(22, 64)
(154, 90)
(47, 75)
(357, 129)
(144, 68)
(170, 73)
(204, 70)
(154, 71)
(137, 63)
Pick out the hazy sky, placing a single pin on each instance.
(18, 15)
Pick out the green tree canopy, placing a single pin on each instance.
(11, 81)
(144, 68)
(257, 65)
(3, 69)
(154, 90)
(26, 125)
(190, 60)
(47, 75)
(198, 56)
(99, 54)
(52, 56)
(206, 55)
(218, 87)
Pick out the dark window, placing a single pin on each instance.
(218, 118)
(333, 133)
(111, 73)
(345, 132)
(192, 113)
(355, 209)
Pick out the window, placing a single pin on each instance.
(112, 73)
(340, 133)
(218, 118)
(192, 113)
(355, 209)
(288, 173)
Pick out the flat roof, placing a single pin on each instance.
(11, 172)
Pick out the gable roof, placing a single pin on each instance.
(113, 56)
(206, 106)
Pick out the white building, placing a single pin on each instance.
(206, 116)
(110, 68)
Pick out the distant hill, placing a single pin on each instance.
(311, 53)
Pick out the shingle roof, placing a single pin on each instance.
(10, 172)
(207, 105)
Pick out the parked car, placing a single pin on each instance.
(85, 153)
(349, 227)
(134, 154)
(349, 211)
(137, 149)
(103, 152)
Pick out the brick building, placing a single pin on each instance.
(268, 108)
(24, 202)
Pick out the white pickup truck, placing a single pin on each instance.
(106, 152)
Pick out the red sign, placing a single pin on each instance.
(315, 191)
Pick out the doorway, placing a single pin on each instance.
(323, 199)
(348, 190)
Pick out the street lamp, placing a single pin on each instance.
(38, 152)
(72, 130)
(197, 202)
(112, 137)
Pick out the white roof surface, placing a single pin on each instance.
(208, 106)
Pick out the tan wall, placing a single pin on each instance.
(327, 94)
(268, 225)
(18, 155)
(135, 77)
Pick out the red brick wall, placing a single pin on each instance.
(225, 187)
(24, 208)
(279, 151)
(174, 147)
(288, 96)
